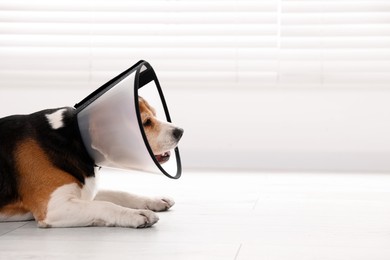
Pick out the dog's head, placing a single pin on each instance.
(162, 136)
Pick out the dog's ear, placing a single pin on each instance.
(142, 101)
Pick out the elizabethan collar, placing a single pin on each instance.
(110, 122)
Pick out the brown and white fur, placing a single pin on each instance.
(46, 173)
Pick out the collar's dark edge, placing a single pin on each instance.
(141, 80)
(164, 103)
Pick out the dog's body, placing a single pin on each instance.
(46, 174)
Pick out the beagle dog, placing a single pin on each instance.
(46, 173)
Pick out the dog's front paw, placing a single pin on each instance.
(160, 204)
(144, 219)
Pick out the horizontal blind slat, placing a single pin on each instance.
(100, 6)
(336, 18)
(139, 17)
(339, 30)
(22, 28)
(136, 41)
(335, 7)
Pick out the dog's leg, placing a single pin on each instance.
(134, 201)
(18, 217)
(66, 209)
(15, 212)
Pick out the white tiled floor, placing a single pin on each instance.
(237, 215)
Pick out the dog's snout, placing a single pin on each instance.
(178, 133)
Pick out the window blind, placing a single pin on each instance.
(194, 44)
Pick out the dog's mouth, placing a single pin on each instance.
(164, 157)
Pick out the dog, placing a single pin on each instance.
(46, 173)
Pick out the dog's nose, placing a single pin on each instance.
(178, 133)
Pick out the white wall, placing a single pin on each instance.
(261, 129)
(285, 129)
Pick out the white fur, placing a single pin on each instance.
(56, 119)
(89, 190)
(165, 140)
(22, 217)
(72, 206)
(134, 201)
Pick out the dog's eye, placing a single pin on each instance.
(148, 122)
